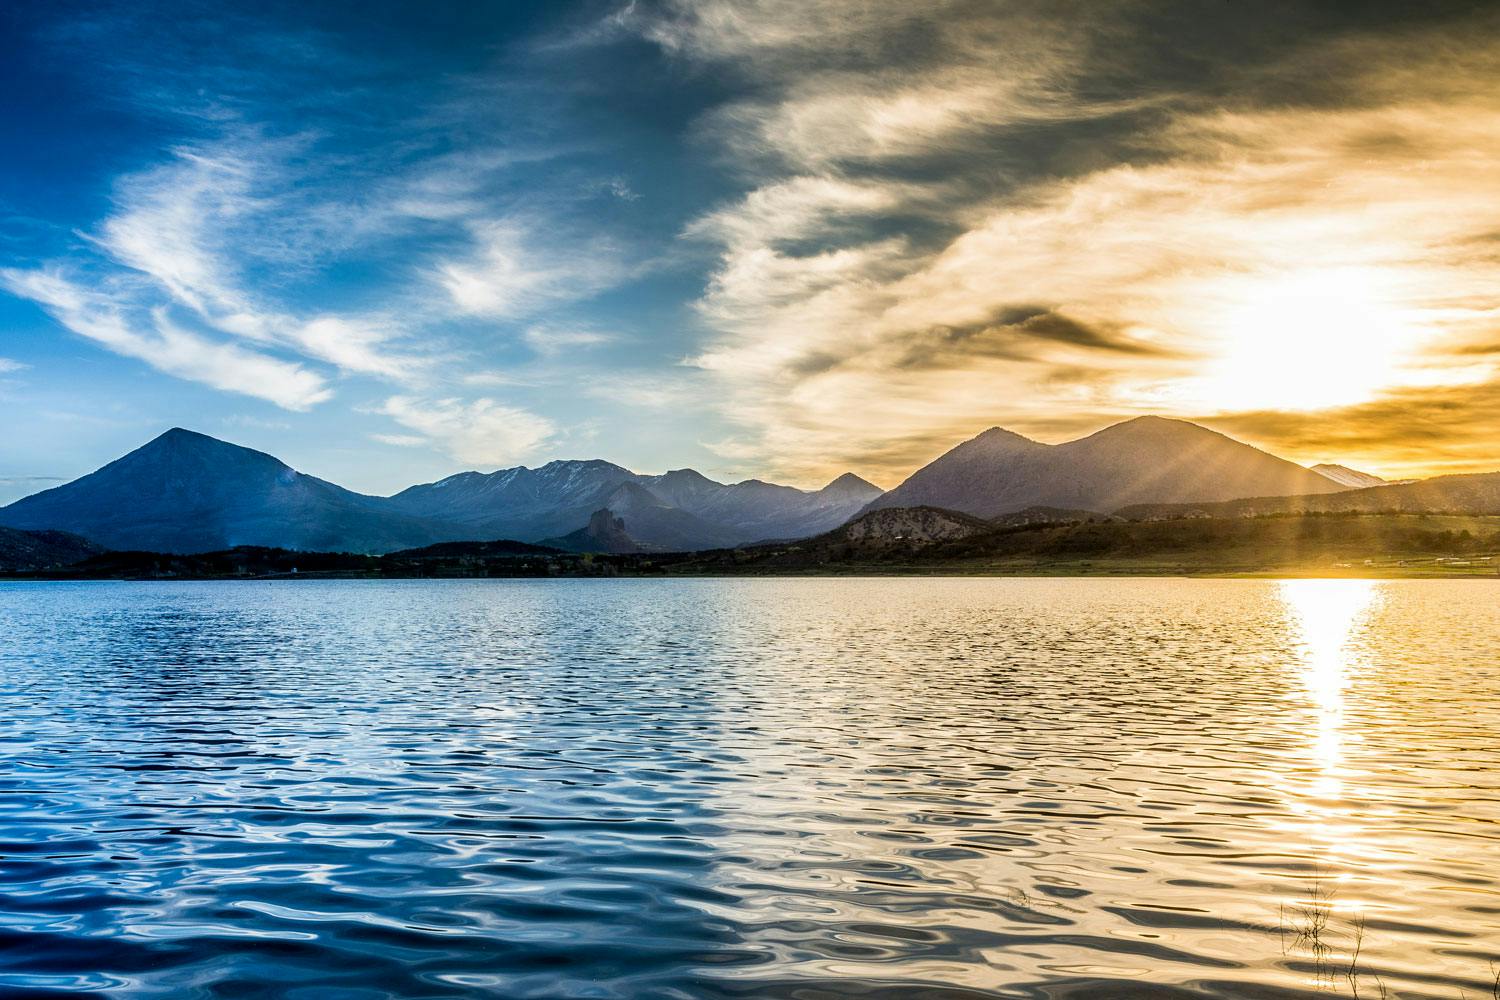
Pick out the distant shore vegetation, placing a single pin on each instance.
(1322, 544)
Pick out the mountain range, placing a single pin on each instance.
(1145, 460)
(186, 492)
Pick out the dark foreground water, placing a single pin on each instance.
(756, 788)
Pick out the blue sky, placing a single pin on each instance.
(385, 242)
(388, 241)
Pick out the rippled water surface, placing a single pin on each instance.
(756, 788)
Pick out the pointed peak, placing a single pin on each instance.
(998, 433)
(181, 440)
(849, 483)
(175, 434)
(998, 438)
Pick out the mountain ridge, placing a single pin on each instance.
(1345, 476)
(187, 492)
(184, 491)
(999, 471)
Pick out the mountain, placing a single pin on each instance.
(1345, 476)
(30, 551)
(187, 492)
(659, 526)
(522, 503)
(754, 510)
(1474, 494)
(682, 509)
(1145, 460)
(603, 533)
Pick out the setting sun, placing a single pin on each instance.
(1304, 341)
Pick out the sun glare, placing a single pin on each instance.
(1305, 341)
(1326, 614)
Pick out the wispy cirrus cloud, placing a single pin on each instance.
(198, 223)
(244, 232)
(166, 346)
(479, 431)
(551, 340)
(509, 274)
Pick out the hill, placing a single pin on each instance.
(880, 542)
(1474, 494)
(29, 551)
(603, 533)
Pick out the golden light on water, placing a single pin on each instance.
(1326, 614)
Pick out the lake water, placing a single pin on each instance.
(888, 788)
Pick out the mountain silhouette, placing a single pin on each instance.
(1145, 460)
(682, 509)
(187, 492)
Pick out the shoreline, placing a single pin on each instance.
(1289, 573)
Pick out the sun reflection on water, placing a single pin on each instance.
(1326, 614)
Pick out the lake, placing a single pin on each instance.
(780, 788)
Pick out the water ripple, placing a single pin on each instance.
(940, 789)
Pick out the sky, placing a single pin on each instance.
(767, 238)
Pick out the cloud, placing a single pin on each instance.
(933, 242)
(618, 187)
(1405, 432)
(401, 440)
(166, 346)
(683, 392)
(550, 340)
(257, 423)
(195, 223)
(512, 273)
(164, 221)
(354, 346)
(8, 365)
(480, 431)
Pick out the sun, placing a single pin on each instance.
(1310, 340)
